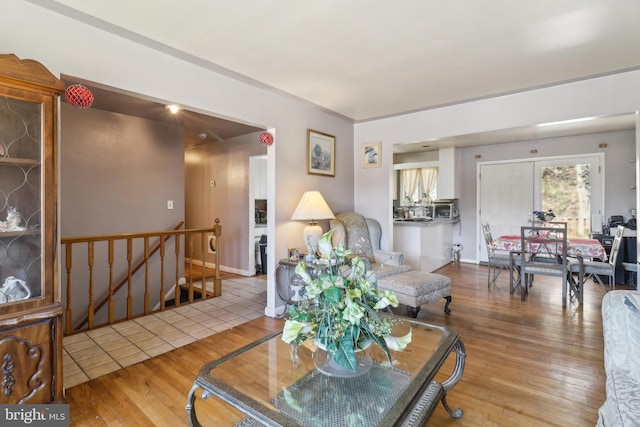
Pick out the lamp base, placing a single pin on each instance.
(312, 234)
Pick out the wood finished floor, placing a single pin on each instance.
(528, 363)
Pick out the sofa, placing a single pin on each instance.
(621, 330)
(412, 288)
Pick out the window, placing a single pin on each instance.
(418, 185)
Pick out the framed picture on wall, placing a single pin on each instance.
(371, 155)
(321, 153)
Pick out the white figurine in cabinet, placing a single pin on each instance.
(13, 290)
(13, 219)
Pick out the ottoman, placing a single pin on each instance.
(414, 288)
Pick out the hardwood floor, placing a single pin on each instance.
(528, 363)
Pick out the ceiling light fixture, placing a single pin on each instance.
(173, 108)
(565, 122)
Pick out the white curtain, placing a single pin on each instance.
(409, 181)
(430, 182)
(418, 185)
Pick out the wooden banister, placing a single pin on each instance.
(131, 267)
(112, 290)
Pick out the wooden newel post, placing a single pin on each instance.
(217, 282)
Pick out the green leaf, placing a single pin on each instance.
(345, 353)
(332, 295)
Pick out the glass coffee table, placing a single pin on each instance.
(275, 384)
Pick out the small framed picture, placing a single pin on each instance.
(321, 153)
(371, 155)
(294, 254)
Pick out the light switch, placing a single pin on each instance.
(169, 204)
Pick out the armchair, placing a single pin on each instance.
(362, 235)
(413, 288)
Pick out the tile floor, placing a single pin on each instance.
(101, 351)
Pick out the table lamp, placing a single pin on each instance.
(312, 207)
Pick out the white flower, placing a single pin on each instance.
(387, 298)
(398, 343)
(301, 270)
(325, 246)
(353, 313)
(293, 328)
(353, 294)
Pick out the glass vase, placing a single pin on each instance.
(326, 365)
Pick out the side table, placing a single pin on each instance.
(289, 289)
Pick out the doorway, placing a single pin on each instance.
(258, 207)
(509, 193)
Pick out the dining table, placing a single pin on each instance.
(576, 246)
(579, 248)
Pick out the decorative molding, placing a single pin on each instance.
(8, 380)
(37, 352)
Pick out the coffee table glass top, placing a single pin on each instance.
(279, 385)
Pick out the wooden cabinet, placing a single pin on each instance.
(30, 311)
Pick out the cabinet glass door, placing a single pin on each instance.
(20, 200)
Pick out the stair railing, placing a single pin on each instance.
(133, 268)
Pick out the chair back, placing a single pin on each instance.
(549, 245)
(615, 247)
(488, 239)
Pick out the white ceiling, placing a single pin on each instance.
(366, 59)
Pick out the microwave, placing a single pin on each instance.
(447, 211)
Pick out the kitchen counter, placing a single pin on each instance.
(422, 222)
(426, 244)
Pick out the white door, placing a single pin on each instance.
(505, 199)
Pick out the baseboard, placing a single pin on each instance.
(226, 269)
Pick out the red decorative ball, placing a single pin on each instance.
(266, 138)
(79, 96)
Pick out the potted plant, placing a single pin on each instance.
(341, 308)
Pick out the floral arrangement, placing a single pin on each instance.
(341, 307)
(544, 216)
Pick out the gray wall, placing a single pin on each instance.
(116, 174)
(227, 163)
(73, 48)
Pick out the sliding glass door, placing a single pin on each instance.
(571, 188)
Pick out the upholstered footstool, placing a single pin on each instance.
(414, 288)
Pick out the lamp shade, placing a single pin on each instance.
(312, 207)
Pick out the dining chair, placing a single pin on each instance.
(595, 269)
(496, 261)
(549, 243)
(546, 257)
